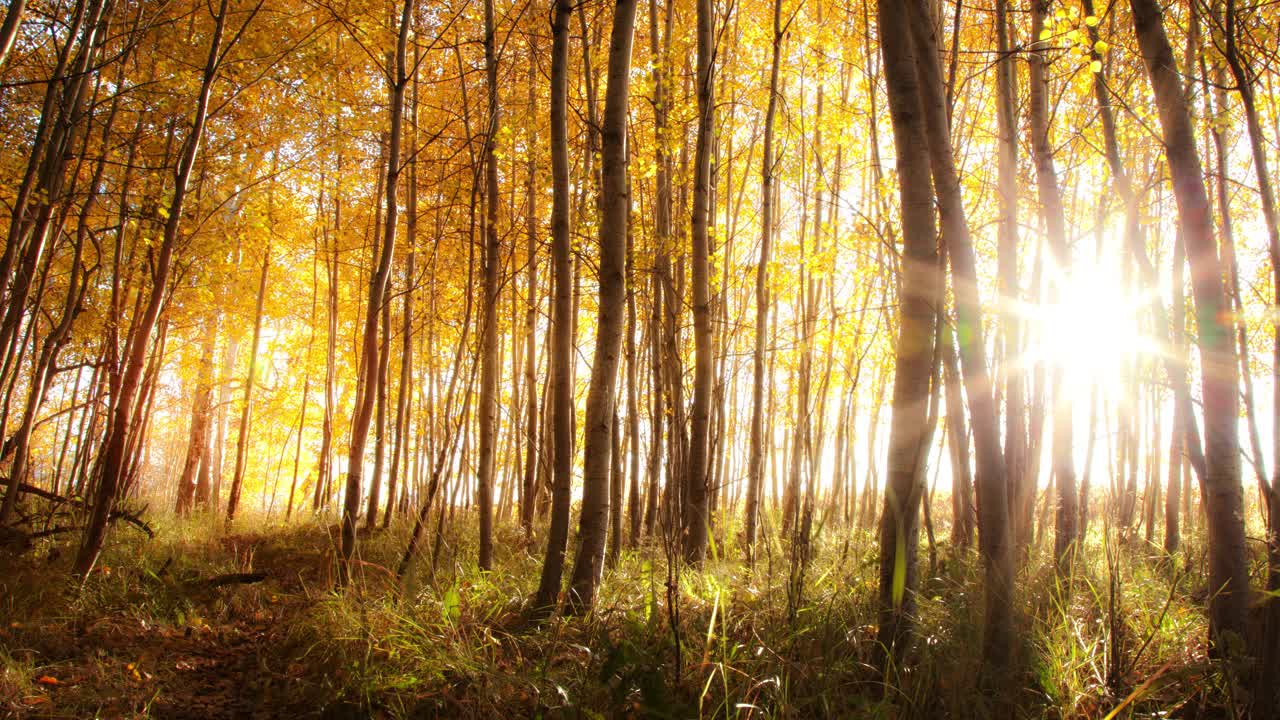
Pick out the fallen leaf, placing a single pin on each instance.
(34, 700)
(48, 680)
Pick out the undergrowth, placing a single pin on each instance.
(452, 641)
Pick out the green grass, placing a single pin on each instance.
(456, 642)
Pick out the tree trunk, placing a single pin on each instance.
(1015, 397)
(663, 293)
(380, 412)
(1173, 497)
(368, 379)
(528, 488)
(633, 401)
(1064, 471)
(405, 391)
(9, 30)
(695, 539)
(1231, 267)
(199, 437)
(963, 509)
(1228, 570)
(599, 412)
(658, 412)
(489, 304)
(1268, 679)
(913, 352)
(616, 489)
(242, 441)
(561, 354)
(993, 507)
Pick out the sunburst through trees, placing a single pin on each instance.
(903, 356)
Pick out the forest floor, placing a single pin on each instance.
(169, 628)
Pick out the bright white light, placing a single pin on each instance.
(1091, 325)
(1092, 329)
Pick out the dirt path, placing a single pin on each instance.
(223, 654)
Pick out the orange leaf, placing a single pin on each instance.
(48, 680)
(35, 700)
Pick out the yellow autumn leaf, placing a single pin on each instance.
(1091, 20)
(1101, 47)
(1095, 66)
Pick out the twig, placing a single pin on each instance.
(129, 517)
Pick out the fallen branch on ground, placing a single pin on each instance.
(230, 579)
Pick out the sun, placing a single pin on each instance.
(1092, 329)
